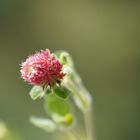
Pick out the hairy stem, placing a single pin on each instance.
(89, 125)
(86, 101)
(71, 134)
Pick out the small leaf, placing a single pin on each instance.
(56, 105)
(36, 92)
(62, 92)
(44, 124)
(64, 58)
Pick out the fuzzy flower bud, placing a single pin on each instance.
(42, 68)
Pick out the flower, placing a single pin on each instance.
(42, 68)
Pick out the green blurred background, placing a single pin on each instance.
(102, 36)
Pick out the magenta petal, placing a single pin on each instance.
(42, 68)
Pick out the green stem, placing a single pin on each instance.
(71, 134)
(89, 125)
(86, 101)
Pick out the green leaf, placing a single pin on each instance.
(36, 92)
(64, 58)
(44, 124)
(62, 92)
(48, 90)
(56, 105)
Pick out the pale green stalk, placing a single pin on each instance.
(86, 105)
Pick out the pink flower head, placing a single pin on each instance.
(42, 68)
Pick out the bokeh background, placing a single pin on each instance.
(104, 39)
